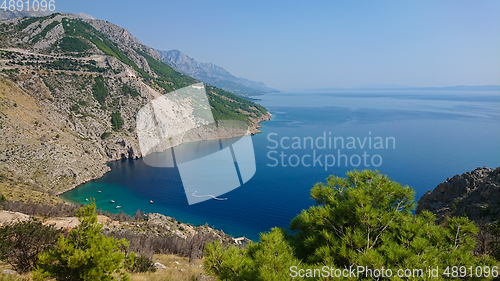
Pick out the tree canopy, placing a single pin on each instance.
(116, 120)
(364, 220)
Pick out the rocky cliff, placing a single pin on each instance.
(475, 194)
(70, 90)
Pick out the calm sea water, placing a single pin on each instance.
(426, 138)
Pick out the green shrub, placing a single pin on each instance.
(105, 135)
(21, 243)
(76, 27)
(454, 205)
(127, 90)
(27, 22)
(85, 254)
(116, 120)
(99, 90)
(142, 263)
(75, 108)
(72, 44)
(83, 103)
(494, 244)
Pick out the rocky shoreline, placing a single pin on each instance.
(254, 129)
(474, 194)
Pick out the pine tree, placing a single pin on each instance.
(494, 244)
(363, 220)
(85, 254)
(270, 259)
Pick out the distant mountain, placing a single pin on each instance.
(85, 16)
(213, 74)
(379, 87)
(7, 14)
(460, 88)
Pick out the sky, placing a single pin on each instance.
(292, 45)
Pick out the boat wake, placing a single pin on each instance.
(216, 198)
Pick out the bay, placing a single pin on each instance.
(436, 135)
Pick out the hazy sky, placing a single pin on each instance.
(316, 44)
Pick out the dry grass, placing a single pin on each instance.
(177, 269)
(174, 264)
(9, 277)
(24, 193)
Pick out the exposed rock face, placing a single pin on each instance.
(159, 225)
(44, 142)
(254, 128)
(115, 33)
(7, 217)
(474, 194)
(50, 38)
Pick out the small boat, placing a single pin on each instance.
(87, 199)
(99, 191)
(151, 201)
(112, 201)
(118, 207)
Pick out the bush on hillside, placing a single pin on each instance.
(22, 242)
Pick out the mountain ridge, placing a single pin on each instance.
(400, 87)
(213, 74)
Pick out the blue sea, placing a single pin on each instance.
(418, 138)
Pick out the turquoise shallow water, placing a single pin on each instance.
(431, 136)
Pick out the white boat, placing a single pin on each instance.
(112, 201)
(118, 207)
(151, 201)
(99, 191)
(87, 199)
